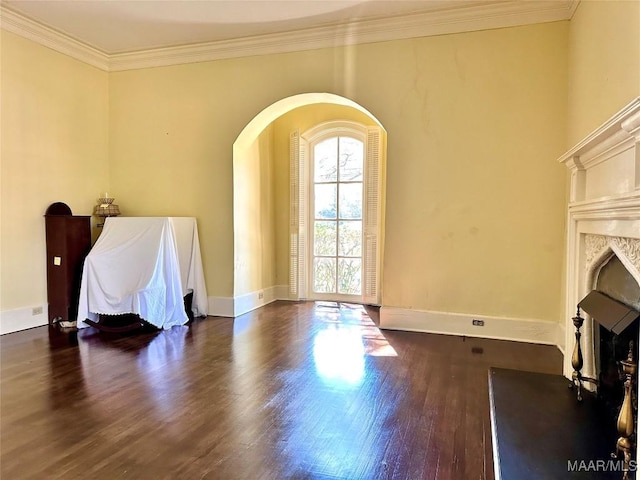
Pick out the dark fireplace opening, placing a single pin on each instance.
(615, 282)
(614, 348)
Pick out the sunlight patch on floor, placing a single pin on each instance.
(355, 317)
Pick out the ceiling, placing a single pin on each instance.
(112, 29)
(115, 26)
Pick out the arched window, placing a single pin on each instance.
(335, 213)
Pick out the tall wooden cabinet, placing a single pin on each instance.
(68, 240)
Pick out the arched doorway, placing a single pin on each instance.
(261, 236)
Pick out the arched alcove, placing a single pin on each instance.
(257, 220)
(263, 119)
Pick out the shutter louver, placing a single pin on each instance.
(372, 218)
(294, 162)
(303, 209)
(298, 217)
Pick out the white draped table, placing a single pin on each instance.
(144, 266)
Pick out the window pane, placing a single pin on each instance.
(325, 156)
(324, 238)
(350, 244)
(350, 200)
(324, 275)
(351, 159)
(350, 276)
(325, 200)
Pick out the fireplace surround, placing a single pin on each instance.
(603, 222)
(603, 216)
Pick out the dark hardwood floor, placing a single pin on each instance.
(289, 391)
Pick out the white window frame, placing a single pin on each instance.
(300, 198)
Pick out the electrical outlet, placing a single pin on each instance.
(36, 311)
(478, 323)
(260, 295)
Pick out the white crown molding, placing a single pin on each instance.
(25, 27)
(481, 16)
(473, 18)
(573, 6)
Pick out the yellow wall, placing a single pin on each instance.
(604, 63)
(253, 216)
(474, 122)
(475, 200)
(171, 136)
(54, 128)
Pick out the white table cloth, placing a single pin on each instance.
(145, 266)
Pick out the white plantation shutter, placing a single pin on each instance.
(303, 218)
(300, 184)
(298, 217)
(372, 212)
(294, 228)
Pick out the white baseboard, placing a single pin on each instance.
(221, 306)
(515, 329)
(22, 319)
(250, 301)
(236, 306)
(562, 339)
(282, 292)
(391, 318)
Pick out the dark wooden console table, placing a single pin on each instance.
(540, 431)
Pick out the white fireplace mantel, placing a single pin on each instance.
(603, 215)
